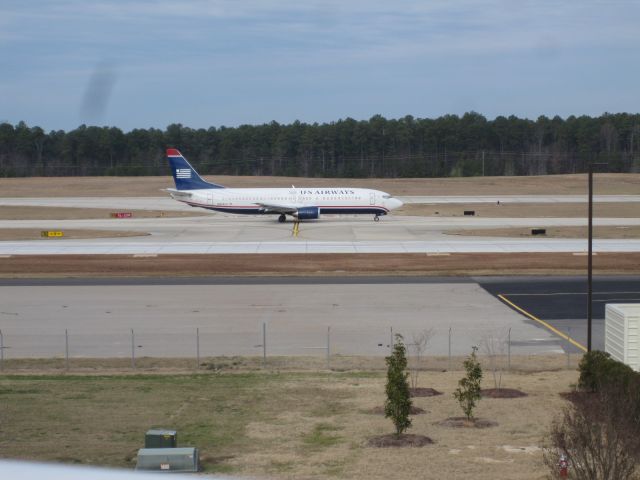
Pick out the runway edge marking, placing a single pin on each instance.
(543, 323)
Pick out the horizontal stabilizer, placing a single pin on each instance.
(178, 195)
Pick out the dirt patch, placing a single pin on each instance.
(521, 210)
(463, 422)
(423, 392)
(10, 212)
(554, 232)
(317, 264)
(412, 411)
(502, 393)
(7, 234)
(404, 440)
(605, 184)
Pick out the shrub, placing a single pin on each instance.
(468, 391)
(398, 404)
(598, 369)
(599, 435)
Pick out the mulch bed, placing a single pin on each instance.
(502, 393)
(463, 422)
(423, 392)
(413, 411)
(404, 440)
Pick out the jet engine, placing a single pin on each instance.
(308, 213)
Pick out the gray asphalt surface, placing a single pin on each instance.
(229, 312)
(562, 301)
(99, 317)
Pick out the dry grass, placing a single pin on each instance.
(238, 364)
(553, 232)
(398, 264)
(71, 213)
(8, 234)
(280, 424)
(605, 183)
(522, 210)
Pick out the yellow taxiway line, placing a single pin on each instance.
(543, 323)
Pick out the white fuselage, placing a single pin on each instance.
(339, 200)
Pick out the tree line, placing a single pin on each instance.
(451, 145)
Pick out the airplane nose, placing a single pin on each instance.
(395, 203)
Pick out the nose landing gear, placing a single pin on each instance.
(282, 218)
(376, 218)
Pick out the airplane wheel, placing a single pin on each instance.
(282, 218)
(376, 218)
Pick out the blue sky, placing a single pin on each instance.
(140, 64)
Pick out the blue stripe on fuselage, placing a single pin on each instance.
(246, 210)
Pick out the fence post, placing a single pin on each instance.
(197, 348)
(328, 348)
(509, 350)
(1, 351)
(390, 340)
(264, 344)
(568, 348)
(449, 349)
(133, 350)
(66, 349)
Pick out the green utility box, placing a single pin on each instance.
(183, 459)
(161, 439)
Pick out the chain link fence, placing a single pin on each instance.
(269, 345)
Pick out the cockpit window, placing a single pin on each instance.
(386, 196)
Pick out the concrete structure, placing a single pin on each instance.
(622, 333)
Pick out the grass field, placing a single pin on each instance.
(320, 264)
(277, 423)
(604, 184)
(522, 210)
(620, 231)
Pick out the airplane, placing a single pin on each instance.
(299, 203)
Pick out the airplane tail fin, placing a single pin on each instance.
(184, 174)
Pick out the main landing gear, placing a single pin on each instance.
(376, 218)
(282, 218)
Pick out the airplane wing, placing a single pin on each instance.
(279, 207)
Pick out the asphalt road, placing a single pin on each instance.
(562, 301)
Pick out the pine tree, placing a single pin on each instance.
(398, 404)
(468, 391)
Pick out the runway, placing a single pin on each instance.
(210, 234)
(146, 247)
(213, 233)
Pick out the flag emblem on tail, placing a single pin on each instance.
(183, 173)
